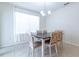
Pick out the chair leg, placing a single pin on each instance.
(56, 49)
(43, 46)
(33, 52)
(50, 51)
(61, 45)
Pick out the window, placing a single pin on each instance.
(26, 23)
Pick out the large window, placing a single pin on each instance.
(26, 23)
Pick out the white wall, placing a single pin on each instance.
(7, 24)
(66, 19)
(42, 22)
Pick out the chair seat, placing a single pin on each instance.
(37, 44)
(59, 40)
(47, 41)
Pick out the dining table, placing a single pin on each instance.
(42, 37)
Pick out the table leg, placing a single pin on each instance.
(43, 47)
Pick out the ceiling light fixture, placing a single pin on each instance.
(44, 11)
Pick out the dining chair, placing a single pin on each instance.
(36, 44)
(53, 42)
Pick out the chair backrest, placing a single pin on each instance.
(44, 31)
(60, 34)
(39, 32)
(53, 37)
(56, 36)
(33, 41)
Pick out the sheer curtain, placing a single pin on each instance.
(26, 23)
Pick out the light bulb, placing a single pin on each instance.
(49, 12)
(42, 13)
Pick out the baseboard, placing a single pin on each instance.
(72, 43)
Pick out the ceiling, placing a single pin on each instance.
(38, 6)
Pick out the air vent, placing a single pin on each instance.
(67, 3)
